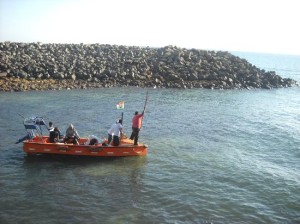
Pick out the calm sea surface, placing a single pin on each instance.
(215, 156)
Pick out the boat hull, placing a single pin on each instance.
(126, 148)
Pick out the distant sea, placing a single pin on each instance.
(215, 156)
(287, 66)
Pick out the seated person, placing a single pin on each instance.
(71, 135)
(93, 141)
(54, 135)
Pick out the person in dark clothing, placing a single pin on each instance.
(50, 128)
(54, 135)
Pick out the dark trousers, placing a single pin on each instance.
(73, 139)
(135, 135)
(116, 140)
(109, 138)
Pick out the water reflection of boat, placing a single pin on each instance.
(37, 143)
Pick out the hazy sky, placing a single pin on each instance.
(270, 26)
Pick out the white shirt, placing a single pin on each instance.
(115, 129)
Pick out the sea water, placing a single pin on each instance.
(215, 156)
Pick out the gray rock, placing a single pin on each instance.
(97, 65)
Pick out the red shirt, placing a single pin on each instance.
(137, 121)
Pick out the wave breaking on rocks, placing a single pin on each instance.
(37, 66)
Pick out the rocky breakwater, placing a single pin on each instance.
(37, 66)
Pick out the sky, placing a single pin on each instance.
(267, 26)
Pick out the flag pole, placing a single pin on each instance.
(146, 100)
(122, 118)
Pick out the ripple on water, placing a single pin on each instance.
(214, 157)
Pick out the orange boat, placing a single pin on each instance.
(37, 143)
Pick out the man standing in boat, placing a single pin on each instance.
(136, 126)
(115, 132)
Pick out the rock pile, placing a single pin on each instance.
(36, 66)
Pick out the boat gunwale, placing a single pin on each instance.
(125, 149)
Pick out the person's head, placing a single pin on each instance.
(71, 126)
(136, 113)
(120, 121)
(50, 123)
(56, 129)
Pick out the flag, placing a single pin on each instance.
(120, 105)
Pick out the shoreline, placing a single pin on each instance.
(12, 84)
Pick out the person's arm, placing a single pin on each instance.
(67, 133)
(76, 134)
